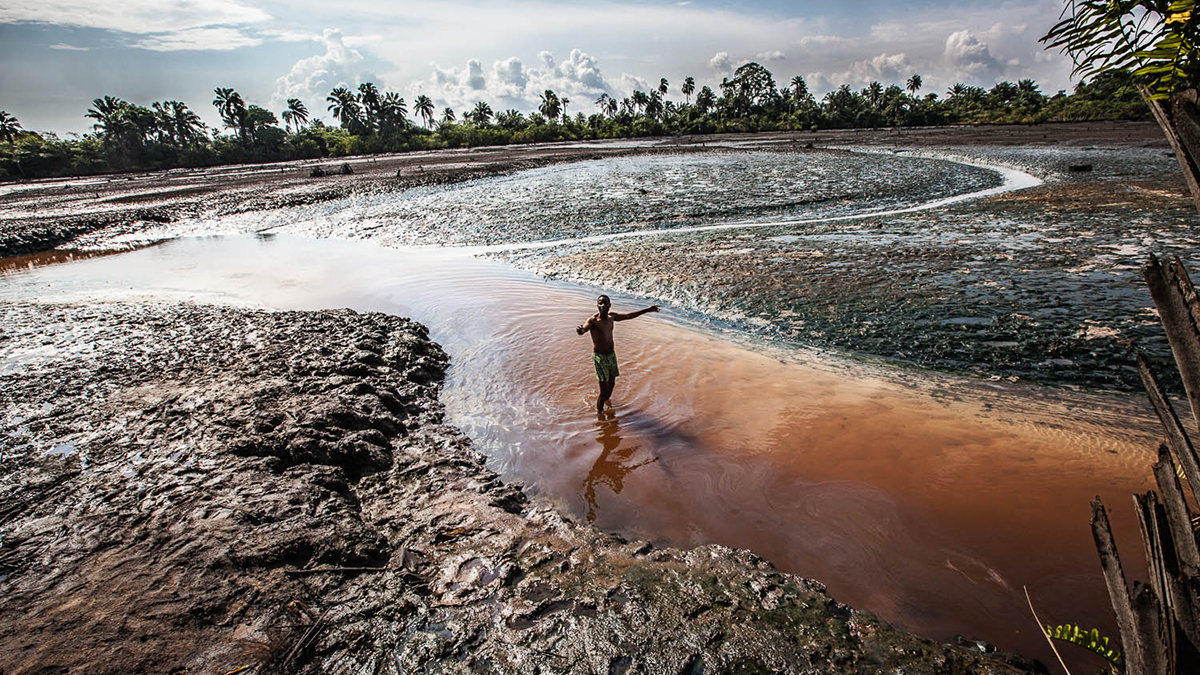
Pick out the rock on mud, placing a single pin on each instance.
(200, 489)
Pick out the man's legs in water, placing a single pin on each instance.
(606, 390)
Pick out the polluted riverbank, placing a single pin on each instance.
(892, 487)
(941, 242)
(206, 489)
(1041, 284)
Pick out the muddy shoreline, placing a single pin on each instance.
(1039, 284)
(197, 489)
(39, 215)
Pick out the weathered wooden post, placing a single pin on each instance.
(1160, 622)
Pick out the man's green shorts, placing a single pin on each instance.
(606, 366)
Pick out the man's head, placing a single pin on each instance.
(603, 304)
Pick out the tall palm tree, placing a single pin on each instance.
(424, 107)
(392, 112)
(799, 88)
(874, 93)
(368, 97)
(689, 86)
(296, 113)
(662, 87)
(602, 102)
(654, 105)
(706, 99)
(565, 101)
(176, 124)
(448, 115)
(482, 114)
(107, 113)
(10, 128)
(914, 84)
(611, 107)
(550, 107)
(343, 106)
(232, 109)
(959, 89)
(639, 99)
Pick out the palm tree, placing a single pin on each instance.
(914, 84)
(611, 107)
(639, 99)
(662, 87)
(565, 101)
(447, 115)
(654, 105)
(179, 125)
(296, 113)
(874, 93)
(482, 114)
(368, 97)
(424, 108)
(689, 85)
(343, 106)
(799, 88)
(232, 109)
(550, 106)
(959, 89)
(392, 113)
(706, 99)
(107, 113)
(602, 102)
(10, 128)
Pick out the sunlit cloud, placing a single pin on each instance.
(311, 79)
(136, 16)
(215, 39)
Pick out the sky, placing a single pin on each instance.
(58, 55)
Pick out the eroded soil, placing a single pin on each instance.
(199, 489)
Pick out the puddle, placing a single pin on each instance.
(929, 501)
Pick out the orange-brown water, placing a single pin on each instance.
(928, 500)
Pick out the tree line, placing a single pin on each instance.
(168, 134)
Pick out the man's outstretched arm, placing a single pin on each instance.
(585, 326)
(632, 315)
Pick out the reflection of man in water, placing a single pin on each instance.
(610, 466)
(600, 325)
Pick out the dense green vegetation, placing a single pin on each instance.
(168, 134)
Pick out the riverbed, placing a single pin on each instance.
(914, 495)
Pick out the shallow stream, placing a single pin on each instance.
(929, 500)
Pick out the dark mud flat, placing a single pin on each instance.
(39, 215)
(1040, 284)
(199, 489)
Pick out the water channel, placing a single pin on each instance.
(928, 499)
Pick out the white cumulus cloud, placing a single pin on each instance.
(885, 68)
(774, 55)
(311, 79)
(721, 62)
(969, 58)
(509, 83)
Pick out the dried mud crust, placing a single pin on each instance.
(168, 469)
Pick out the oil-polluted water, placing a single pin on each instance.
(928, 500)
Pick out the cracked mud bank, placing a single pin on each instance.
(192, 489)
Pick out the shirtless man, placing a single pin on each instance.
(600, 325)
